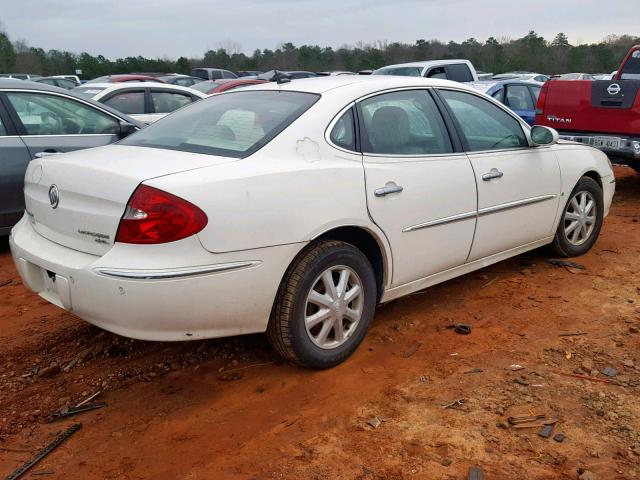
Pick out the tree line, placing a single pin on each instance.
(531, 52)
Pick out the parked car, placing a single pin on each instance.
(74, 78)
(20, 76)
(520, 96)
(210, 87)
(329, 73)
(456, 70)
(602, 113)
(181, 80)
(531, 76)
(272, 75)
(146, 102)
(576, 76)
(248, 73)
(124, 78)
(38, 121)
(278, 208)
(212, 73)
(365, 72)
(57, 82)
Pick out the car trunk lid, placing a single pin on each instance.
(77, 199)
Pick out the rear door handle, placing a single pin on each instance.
(46, 154)
(494, 173)
(387, 189)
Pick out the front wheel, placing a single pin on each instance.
(581, 219)
(324, 305)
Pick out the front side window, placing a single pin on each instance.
(519, 98)
(43, 114)
(343, 132)
(167, 102)
(131, 102)
(235, 124)
(484, 125)
(404, 123)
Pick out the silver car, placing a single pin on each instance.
(37, 120)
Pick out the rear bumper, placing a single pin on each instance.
(217, 295)
(622, 146)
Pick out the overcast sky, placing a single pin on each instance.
(157, 28)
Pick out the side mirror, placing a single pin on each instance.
(541, 135)
(127, 129)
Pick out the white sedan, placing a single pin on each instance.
(144, 101)
(296, 208)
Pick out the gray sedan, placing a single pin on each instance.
(38, 120)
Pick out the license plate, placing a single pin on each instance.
(607, 142)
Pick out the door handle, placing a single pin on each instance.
(46, 154)
(494, 173)
(387, 189)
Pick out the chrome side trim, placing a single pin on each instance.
(174, 272)
(483, 211)
(441, 221)
(516, 204)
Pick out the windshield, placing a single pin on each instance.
(231, 125)
(403, 71)
(88, 91)
(206, 86)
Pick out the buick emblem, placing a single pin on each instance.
(54, 196)
(613, 89)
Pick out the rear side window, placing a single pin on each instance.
(484, 125)
(235, 124)
(536, 92)
(131, 103)
(343, 132)
(403, 123)
(631, 69)
(166, 102)
(200, 72)
(519, 98)
(3, 131)
(499, 95)
(437, 72)
(459, 72)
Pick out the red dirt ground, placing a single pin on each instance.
(231, 409)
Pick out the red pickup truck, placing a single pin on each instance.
(603, 113)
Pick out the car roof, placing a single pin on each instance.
(427, 63)
(372, 83)
(111, 87)
(11, 84)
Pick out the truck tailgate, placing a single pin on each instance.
(608, 106)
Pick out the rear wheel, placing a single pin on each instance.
(581, 220)
(324, 305)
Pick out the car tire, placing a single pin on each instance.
(316, 325)
(580, 224)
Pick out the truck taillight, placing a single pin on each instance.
(542, 98)
(154, 216)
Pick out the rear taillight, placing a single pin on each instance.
(154, 216)
(542, 98)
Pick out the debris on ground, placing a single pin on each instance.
(475, 473)
(461, 328)
(374, 422)
(546, 431)
(60, 438)
(559, 437)
(473, 371)
(70, 411)
(515, 367)
(413, 349)
(455, 404)
(585, 474)
(565, 263)
(609, 372)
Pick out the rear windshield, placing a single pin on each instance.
(230, 125)
(403, 71)
(87, 91)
